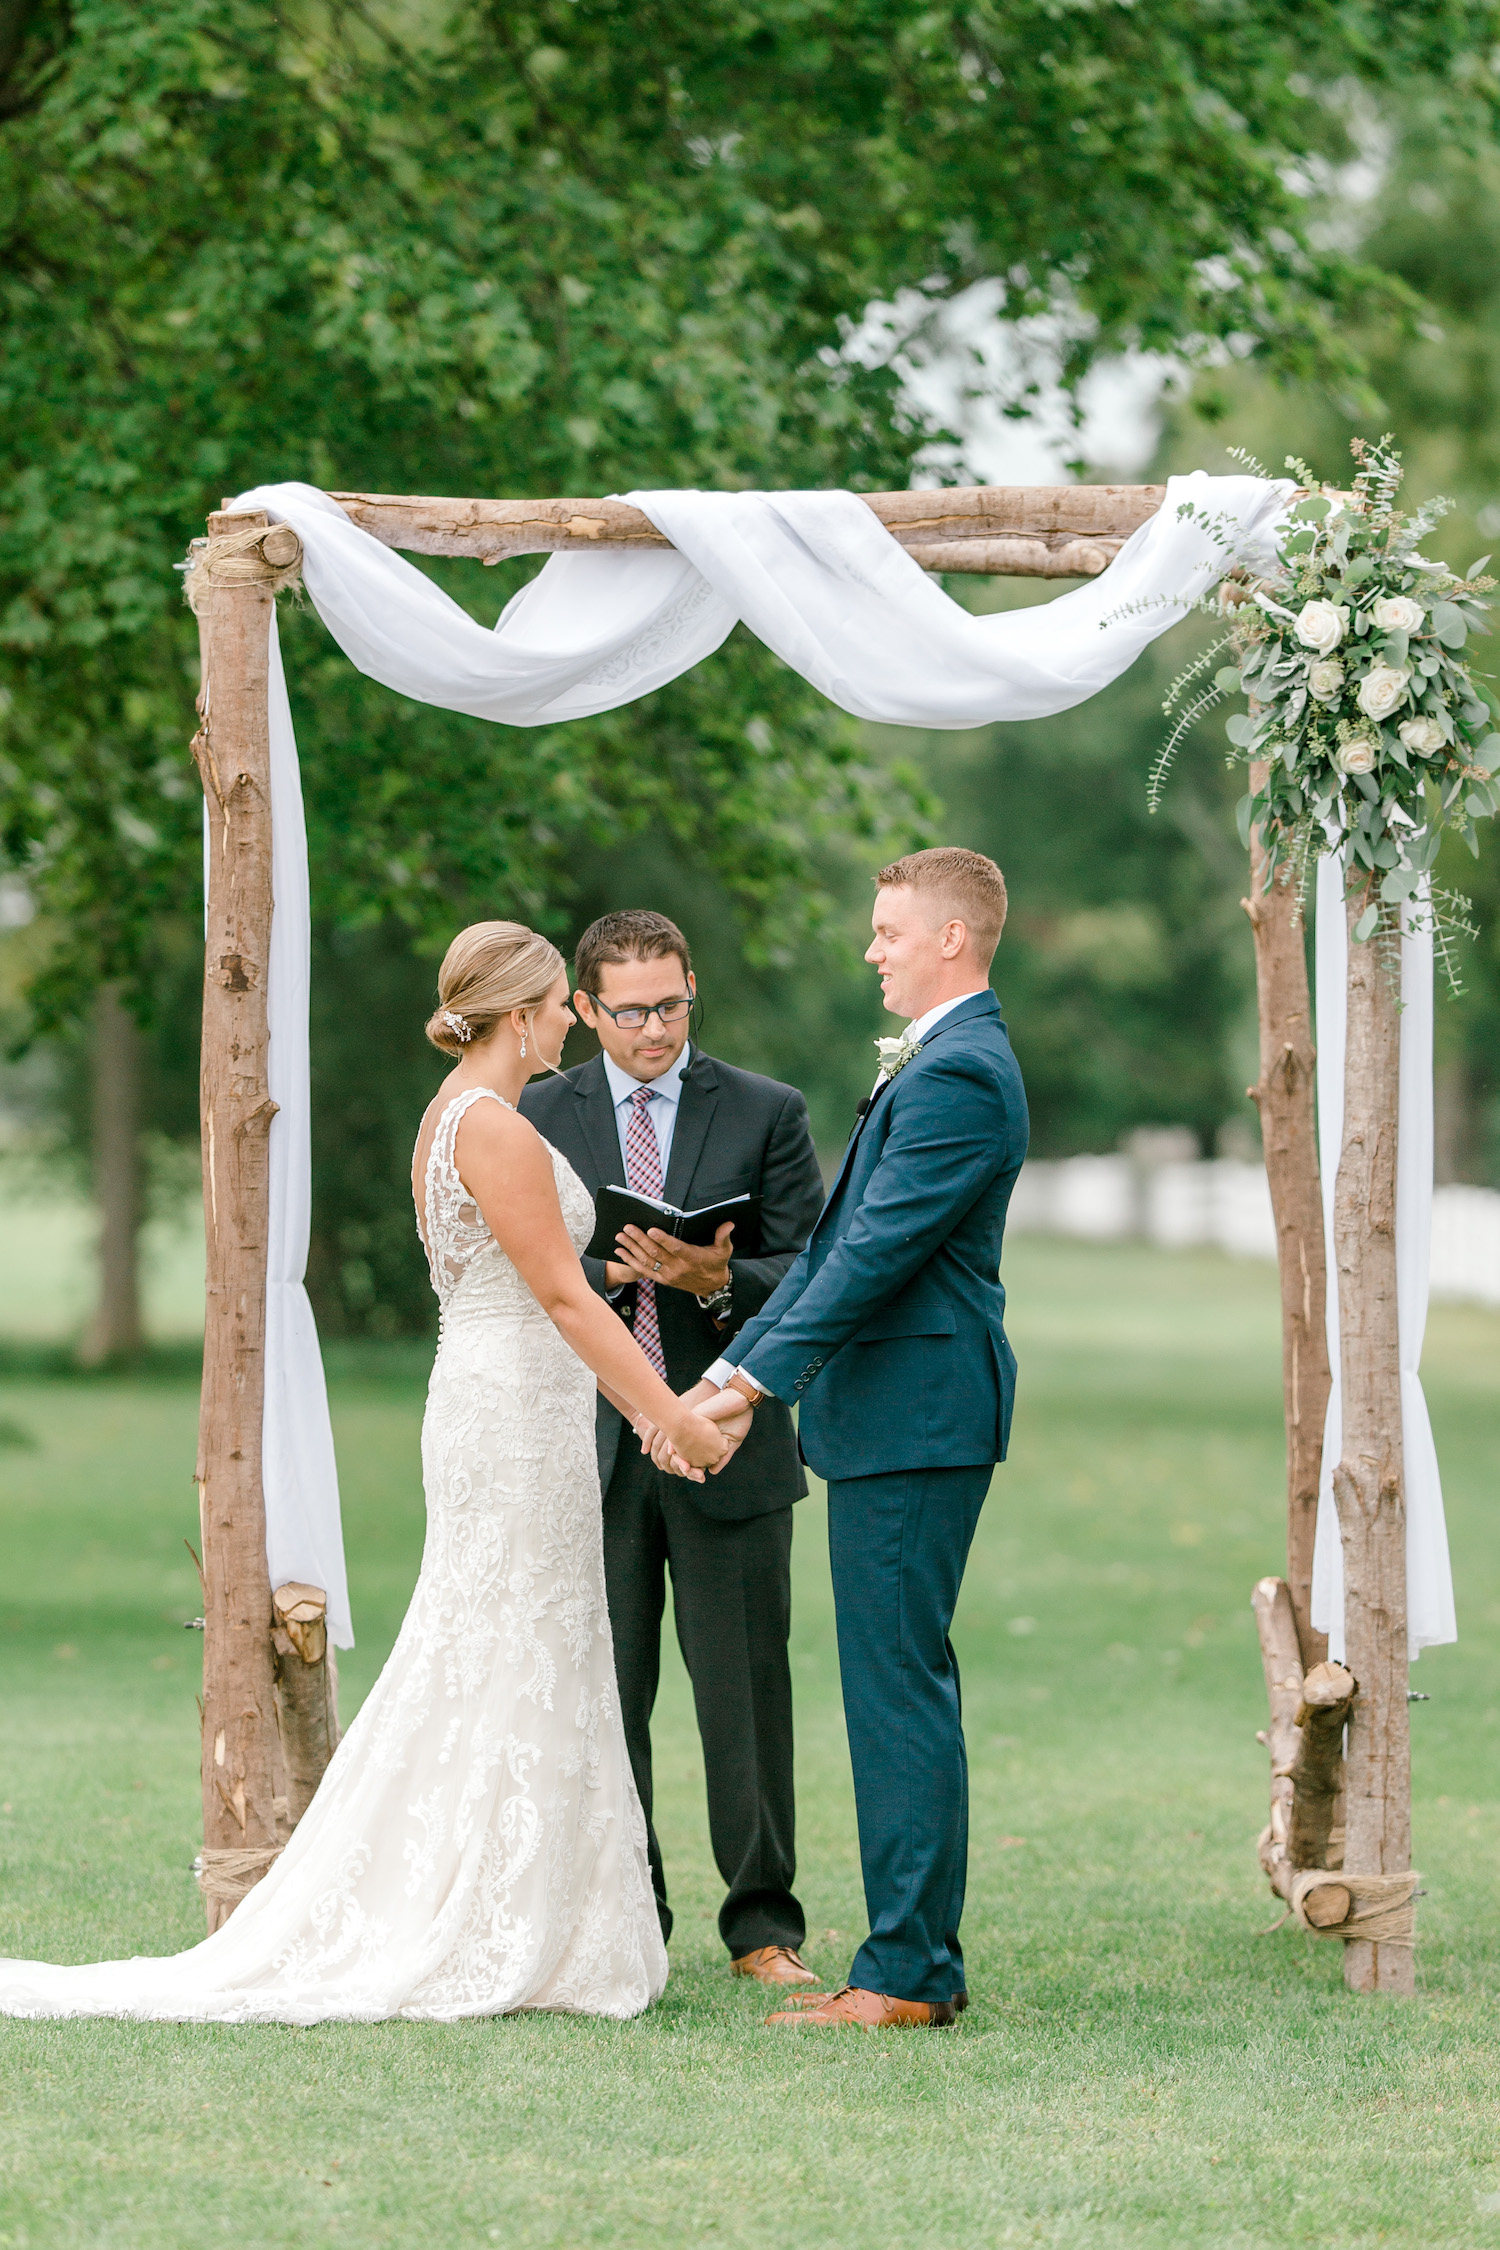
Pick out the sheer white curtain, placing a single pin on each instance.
(822, 583)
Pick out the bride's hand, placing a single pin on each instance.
(696, 1441)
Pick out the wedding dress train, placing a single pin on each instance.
(476, 1845)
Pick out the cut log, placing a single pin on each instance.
(306, 1692)
(1281, 1660)
(1327, 1905)
(1013, 531)
(240, 1746)
(1285, 1094)
(1368, 1482)
(1317, 1775)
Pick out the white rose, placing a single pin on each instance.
(1325, 678)
(1398, 613)
(1321, 626)
(1381, 689)
(1422, 735)
(1358, 756)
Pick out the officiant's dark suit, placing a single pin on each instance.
(727, 1541)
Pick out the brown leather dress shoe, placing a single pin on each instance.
(864, 2011)
(774, 1964)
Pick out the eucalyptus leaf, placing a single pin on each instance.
(1241, 729)
(1476, 567)
(1449, 624)
(1366, 924)
(1227, 678)
(1401, 883)
(1242, 816)
(1487, 753)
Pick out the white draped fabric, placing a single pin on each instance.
(815, 576)
(1429, 1576)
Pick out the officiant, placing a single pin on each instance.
(654, 1113)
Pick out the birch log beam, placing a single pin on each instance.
(232, 749)
(1285, 1094)
(994, 531)
(1368, 1482)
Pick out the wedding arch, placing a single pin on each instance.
(843, 588)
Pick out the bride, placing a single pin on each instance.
(476, 1845)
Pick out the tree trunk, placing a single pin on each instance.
(240, 1749)
(1367, 1483)
(114, 1332)
(1286, 1096)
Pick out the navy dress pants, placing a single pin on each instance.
(898, 1545)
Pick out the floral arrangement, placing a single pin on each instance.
(1365, 720)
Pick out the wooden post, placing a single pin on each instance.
(1286, 1096)
(240, 1749)
(1368, 1482)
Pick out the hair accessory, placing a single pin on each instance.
(458, 1026)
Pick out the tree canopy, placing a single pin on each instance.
(570, 246)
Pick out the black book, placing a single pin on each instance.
(617, 1207)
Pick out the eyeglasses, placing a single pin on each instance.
(634, 1019)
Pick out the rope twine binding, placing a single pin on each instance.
(261, 555)
(232, 1875)
(1381, 1907)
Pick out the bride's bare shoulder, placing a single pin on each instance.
(492, 1133)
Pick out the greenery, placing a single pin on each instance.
(1141, 2068)
(1390, 741)
(564, 247)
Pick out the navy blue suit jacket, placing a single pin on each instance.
(890, 1326)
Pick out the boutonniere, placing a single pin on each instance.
(895, 1054)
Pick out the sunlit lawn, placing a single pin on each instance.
(1142, 2065)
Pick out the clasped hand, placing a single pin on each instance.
(728, 1416)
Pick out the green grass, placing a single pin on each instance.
(1141, 2065)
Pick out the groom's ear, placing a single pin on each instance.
(585, 1008)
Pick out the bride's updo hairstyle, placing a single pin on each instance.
(490, 968)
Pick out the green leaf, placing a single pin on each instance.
(1366, 923)
(1401, 883)
(1242, 815)
(1227, 677)
(1241, 729)
(1487, 753)
(1449, 624)
(1396, 646)
(1476, 567)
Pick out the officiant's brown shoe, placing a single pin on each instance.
(864, 2011)
(774, 1964)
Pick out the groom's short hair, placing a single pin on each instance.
(634, 934)
(964, 885)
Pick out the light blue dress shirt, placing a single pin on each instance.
(662, 1111)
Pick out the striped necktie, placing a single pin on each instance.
(643, 1172)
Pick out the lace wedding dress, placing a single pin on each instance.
(477, 1844)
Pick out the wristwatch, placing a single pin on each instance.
(719, 1304)
(747, 1388)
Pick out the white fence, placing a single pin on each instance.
(1228, 1205)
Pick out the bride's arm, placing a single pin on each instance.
(505, 1165)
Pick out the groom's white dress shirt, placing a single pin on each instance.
(722, 1369)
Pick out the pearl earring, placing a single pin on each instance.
(523, 1046)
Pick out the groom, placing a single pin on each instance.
(888, 1330)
